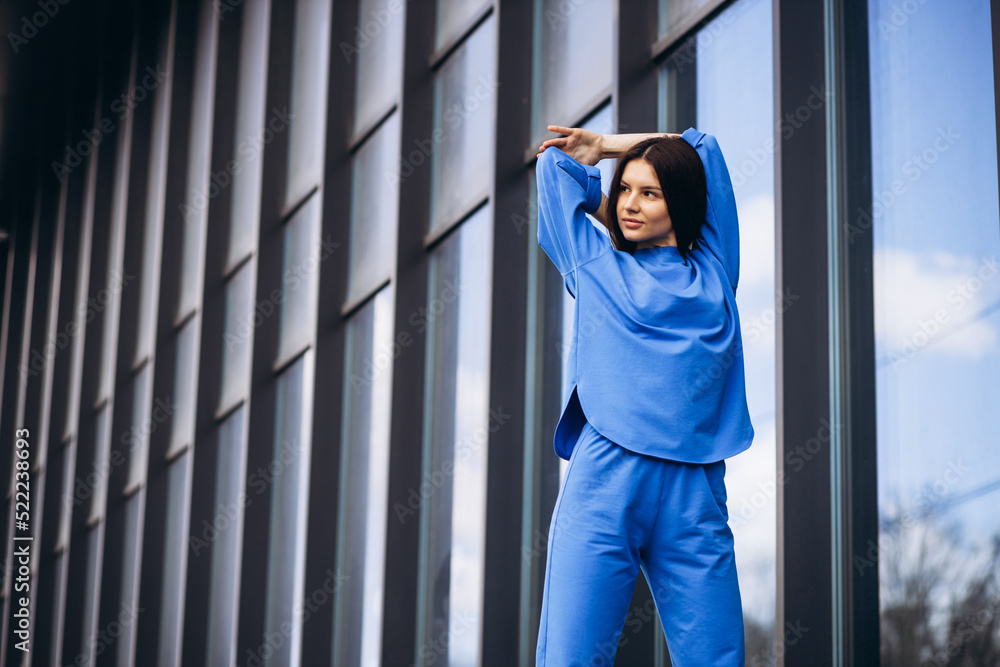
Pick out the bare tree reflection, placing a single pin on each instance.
(940, 595)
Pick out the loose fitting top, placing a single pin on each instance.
(656, 360)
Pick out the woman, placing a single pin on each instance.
(656, 398)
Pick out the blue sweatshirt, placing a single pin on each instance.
(656, 360)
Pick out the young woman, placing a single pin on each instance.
(656, 398)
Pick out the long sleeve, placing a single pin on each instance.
(567, 191)
(721, 230)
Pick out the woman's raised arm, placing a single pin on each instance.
(588, 147)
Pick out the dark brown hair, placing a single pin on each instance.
(682, 179)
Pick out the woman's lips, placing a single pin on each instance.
(631, 224)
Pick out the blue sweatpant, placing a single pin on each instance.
(617, 512)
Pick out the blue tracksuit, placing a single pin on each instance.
(652, 409)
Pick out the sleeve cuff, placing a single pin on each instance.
(594, 193)
(693, 136)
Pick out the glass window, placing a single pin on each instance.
(289, 505)
(461, 144)
(251, 132)
(76, 328)
(574, 59)
(96, 478)
(934, 220)
(454, 17)
(185, 386)
(92, 590)
(175, 541)
(156, 180)
(227, 546)
(301, 261)
(364, 481)
(307, 138)
(458, 420)
(131, 547)
(137, 438)
(199, 190)
(242, 317)
(110, 294)
(379, 43)
(734, 101)
(374, 210)
(678, 89)
(674, 12)
(68, 497)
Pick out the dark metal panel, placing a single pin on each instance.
(182, 50)
(260, 440)
(115, 36)
(38, 383)
(324, 473)
(995, 20)
(402, 537)
(857, 331)
(145, 29)
(49, 594)
(205, 473)
(19, 338)
(506, 449)
(804, 575)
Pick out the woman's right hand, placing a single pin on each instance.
(584, 146)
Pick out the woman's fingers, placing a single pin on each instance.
(559, 143)
(560, 129)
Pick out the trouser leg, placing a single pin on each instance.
(593, 560)
(691, 568)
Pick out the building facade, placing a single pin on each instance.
(281, 360)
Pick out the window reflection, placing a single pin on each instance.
(364, 482)
(374, 210)
(454, 480)
(734, 101)
(937, 319)
(453, 17)
(573, 61)
(460, 147)
(674, 12)
(380, 61)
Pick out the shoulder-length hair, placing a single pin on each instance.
(682, 179)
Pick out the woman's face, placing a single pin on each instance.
(642, 210)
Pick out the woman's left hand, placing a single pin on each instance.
(584, 146)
